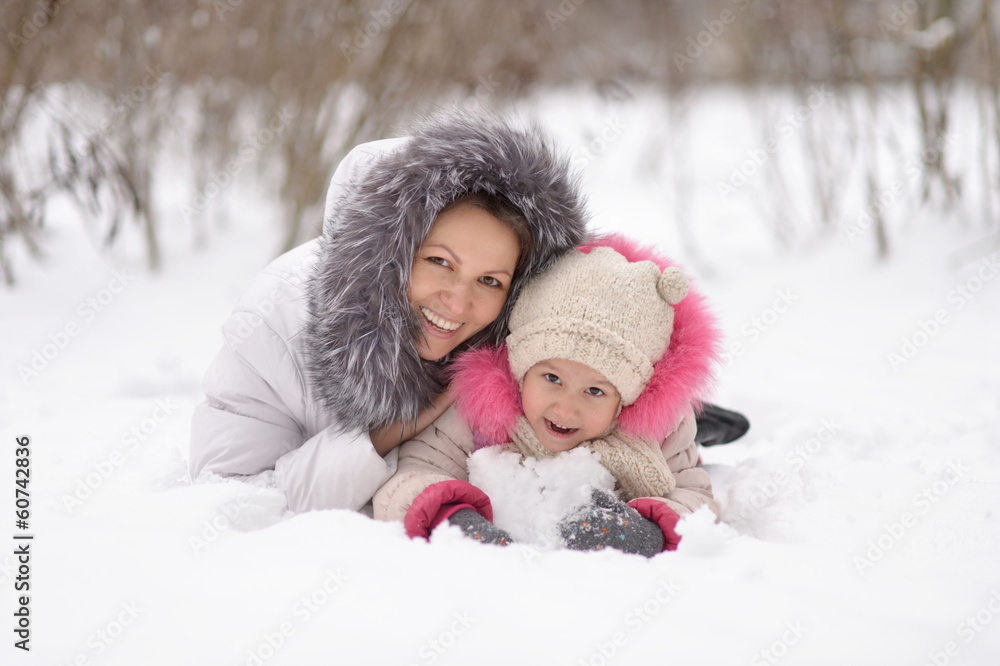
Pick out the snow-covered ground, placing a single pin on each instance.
(860, 518)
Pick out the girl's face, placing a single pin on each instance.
(460, 278)
(567, 403)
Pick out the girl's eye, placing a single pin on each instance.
(552, 378)
(593, 390)
(490, 281)
(439, 261)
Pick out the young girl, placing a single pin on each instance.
(335, 353)
(608, 351)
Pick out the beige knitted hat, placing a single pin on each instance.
(600, 310)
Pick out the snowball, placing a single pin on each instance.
(530, 498)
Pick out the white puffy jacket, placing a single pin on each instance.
(321, 347)
(258, 413)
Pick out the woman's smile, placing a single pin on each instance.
(438, 324)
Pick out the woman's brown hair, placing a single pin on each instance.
(507, 213)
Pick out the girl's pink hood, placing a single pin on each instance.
(488, 397)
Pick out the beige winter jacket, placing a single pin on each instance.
(441, 452)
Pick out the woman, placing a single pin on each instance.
(335, 352)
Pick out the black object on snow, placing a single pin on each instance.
(719, 426)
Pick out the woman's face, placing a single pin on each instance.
(461, 276)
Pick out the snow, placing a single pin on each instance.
(860, 514)
(532, 497)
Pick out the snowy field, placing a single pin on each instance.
(861, 514)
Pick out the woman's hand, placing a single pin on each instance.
(386, 438)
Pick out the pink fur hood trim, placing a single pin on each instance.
(488, 397)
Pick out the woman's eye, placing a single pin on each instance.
(490, 281)
(552, 378)
(438, 260)
(593, 390)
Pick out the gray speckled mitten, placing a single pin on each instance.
(475, 526)
(607, 522)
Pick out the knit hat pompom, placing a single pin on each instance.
(600, 310)
(673, 285)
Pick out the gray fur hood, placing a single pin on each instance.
(361, 331)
